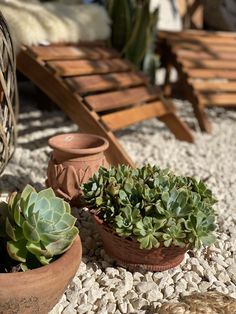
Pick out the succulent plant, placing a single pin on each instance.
(36, 224)
(133, 32)
(153, 206)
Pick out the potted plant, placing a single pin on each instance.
(150, 217)
(40, 251)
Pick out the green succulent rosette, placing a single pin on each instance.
(38, 224)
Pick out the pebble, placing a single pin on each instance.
(232, 272)
(154, 295)
(145, 287)
(168, 291)
(139, 303)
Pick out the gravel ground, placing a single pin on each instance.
(101, 286)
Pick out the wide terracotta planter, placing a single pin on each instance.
(128, 253)
(75, 158)
(38, 290)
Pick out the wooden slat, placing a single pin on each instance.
(119, 99)
(57, 52)
(218, 99)
(62, 52)
(120, 119)
(201, 37)
(83, 67)
(103, 82)
(201, 55)
(106, 52)
(211, 74)
(213, 48)
(209, 64)
(213, 86)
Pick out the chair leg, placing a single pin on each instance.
(167, 89)
(202, 118)
(178, 127)
(198, 108)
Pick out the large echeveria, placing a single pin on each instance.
(37, 223)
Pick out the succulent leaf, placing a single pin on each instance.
(17, 250)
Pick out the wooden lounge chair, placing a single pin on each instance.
(205, 62)
(98, 90)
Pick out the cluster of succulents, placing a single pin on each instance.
(153, 206)
(36, 226)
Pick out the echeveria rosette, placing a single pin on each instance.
(38, 223)
(153, 206)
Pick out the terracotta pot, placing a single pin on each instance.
(128, 253)
(75, 158)
(38, 290)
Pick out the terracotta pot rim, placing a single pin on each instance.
(75, 246)
(53, 143)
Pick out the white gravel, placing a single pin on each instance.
(101, 286)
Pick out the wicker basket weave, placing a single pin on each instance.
(8, 96)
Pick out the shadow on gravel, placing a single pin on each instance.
(10, 183)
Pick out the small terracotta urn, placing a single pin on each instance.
(75, 158)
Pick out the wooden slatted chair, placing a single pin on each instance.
(204, 60)
(98, 90)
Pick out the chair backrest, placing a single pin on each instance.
(191, 12)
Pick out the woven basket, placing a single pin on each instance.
(8, 96)
(128, 253)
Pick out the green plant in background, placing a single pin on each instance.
(153, 206)
(36, 226)
(133, 32)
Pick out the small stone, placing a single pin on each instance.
(177, 277)
(233, 295)
(157, 277)
(87, 283)
(168, 291)
(72, 296)
(154, 295)
(123, 307)
(144, 287)
(204, 286)
(82, 297)
(112, 272)
(94, 294)
(137, 276)
(77, 282)
(224, 277)
(210, 277)
(198, 269)
(138, 303)
(232, 272)
(69, 310)
(149, 276)
(119, 293)
(131, 295)
(130, 308)
(111, 307)
(58, 308)
(84, 308)
(101, 303)
(128, 281)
